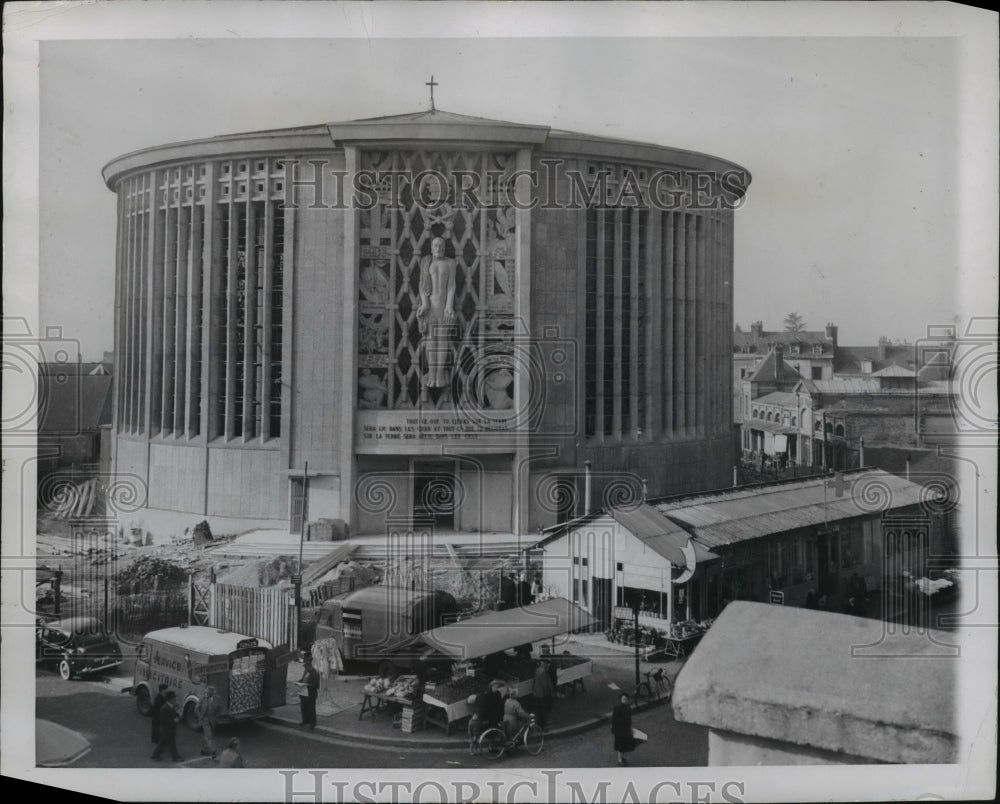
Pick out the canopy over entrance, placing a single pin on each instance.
(502, 630)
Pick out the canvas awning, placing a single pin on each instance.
(502, 630)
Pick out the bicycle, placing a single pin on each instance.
(495, 743)
(657, 685)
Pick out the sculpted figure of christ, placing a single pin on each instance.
(436, 313)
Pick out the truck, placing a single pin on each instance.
(249, 674)
(382, 625)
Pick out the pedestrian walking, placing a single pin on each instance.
(231, 757)
(307, 696)
(168, 716)
(543, 691)
(209, 708)
(621, 728)
(157, 703)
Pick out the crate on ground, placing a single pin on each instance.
(327, 530)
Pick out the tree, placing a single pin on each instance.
(794, 323)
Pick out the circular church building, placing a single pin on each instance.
(481, 326)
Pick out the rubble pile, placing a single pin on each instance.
(364, 574)
(473, 590)
(277, 571)
(202, 534)
(150, 572)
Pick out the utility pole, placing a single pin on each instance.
(635, 616)
(297, 577)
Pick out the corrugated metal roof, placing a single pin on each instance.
(661, 535)
(737, 516)
(847, 386)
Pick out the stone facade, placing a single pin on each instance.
(272, 309)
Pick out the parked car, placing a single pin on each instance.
(77, 646)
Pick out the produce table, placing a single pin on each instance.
(448, 703)
(679, 647)
(379, 693)
(413, 713)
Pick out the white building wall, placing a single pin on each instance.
(604, 544)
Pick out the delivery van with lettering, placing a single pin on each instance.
(249, 674)
(382, 625)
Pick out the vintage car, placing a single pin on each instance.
(78, 646)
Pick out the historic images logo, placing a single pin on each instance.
(552, 187)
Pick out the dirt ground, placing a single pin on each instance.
(87, 559)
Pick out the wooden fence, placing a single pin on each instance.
(266, 613)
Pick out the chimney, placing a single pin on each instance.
(779, 354)
(831, 333)
(883, 346)
(757, 329)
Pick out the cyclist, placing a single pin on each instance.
(489, 706)
(513, 714)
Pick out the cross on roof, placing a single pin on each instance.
(432, 83)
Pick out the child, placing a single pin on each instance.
(475, 728)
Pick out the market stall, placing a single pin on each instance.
(491, 635)
(658, 637)
(401, 697)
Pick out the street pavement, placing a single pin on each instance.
(579, 734)
(340, 701)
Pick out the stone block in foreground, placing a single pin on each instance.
(781, 685)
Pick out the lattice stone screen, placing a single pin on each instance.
(420, 197)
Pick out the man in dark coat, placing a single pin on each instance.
(489, 706)
(524, 597)
(155, 712)
(508, 592)
(543, 691)
(307, 699)
(621, 728)
(168, 716)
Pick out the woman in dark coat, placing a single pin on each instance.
(621, 727)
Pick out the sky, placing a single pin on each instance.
(853, 142)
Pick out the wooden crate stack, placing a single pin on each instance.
(413, 717)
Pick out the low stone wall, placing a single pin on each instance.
(781, 685)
